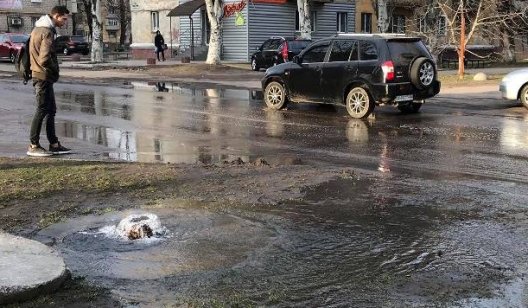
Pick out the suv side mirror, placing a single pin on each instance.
(297, 60)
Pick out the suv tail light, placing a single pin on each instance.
(284, 51)
(388, 70)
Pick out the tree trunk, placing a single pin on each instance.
(87, 4)
(462, 47)
(508, 46)
(97, 37)
(383, 16)
(214, 13)
(123, 21)
(305, 23)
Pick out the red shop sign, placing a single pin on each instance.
(231, 8)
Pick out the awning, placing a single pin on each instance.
(187, 8)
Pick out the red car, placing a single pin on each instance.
(10, 44)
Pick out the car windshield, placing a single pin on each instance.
(78, 39)
(19, 38)
(297, 46)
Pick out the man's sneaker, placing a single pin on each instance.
(37, 151)
(59, 149)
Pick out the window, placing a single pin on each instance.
(316, 54)
(367, 51)
(112, 22)
(112, 10)
(271, 44)
(422, 26)
(366, 22)
(34, 21)
(342, 22)
(314, 20)
(341, 50)
(397, 24)
(154, 21)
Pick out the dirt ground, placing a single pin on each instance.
(36, 193)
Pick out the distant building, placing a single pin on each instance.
(147, 17)
(114, 17)
(20, 15)
(246, 24)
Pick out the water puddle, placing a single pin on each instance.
(185, 241)
(158, 121)
(345, 242)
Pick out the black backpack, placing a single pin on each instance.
(23, 62)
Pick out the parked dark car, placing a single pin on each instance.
(277, 50)
(10, 44)
(357, 71)
(67, 44)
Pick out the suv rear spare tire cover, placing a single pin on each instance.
(423, 73)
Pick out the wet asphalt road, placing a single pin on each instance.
(438, 218)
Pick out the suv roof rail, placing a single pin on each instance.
(379, 35)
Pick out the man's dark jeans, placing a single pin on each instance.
(46, 108)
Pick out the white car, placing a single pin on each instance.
(514, 86)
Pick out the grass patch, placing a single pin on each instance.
(30, 179)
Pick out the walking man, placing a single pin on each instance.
(45, 71)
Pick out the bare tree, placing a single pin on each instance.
(121, 9)
(384, 10)
(383, 16)
(305, 22)
(466, 18)
(86, 14)
(214, 10)
(97, 36)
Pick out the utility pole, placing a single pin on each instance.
(462, 47)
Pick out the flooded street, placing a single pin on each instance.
(422, 210)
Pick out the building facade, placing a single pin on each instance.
(246, 24)
(20, 15)
(116, 19)
(147, 17)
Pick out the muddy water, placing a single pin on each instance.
(345, 243)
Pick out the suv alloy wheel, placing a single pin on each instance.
(275, 95)
(359, 103)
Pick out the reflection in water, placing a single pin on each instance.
(357, 131)
(162, 127)
(160, 87)
(274, 123)
(122, 141)
(513, 133)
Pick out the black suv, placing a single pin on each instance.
(277, 50)
(358, 71)
(67, 44)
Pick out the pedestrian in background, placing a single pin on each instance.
(45, 72)
(159, 42)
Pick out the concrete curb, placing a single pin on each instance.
(28, 269)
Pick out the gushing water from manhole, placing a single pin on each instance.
(137, 226)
